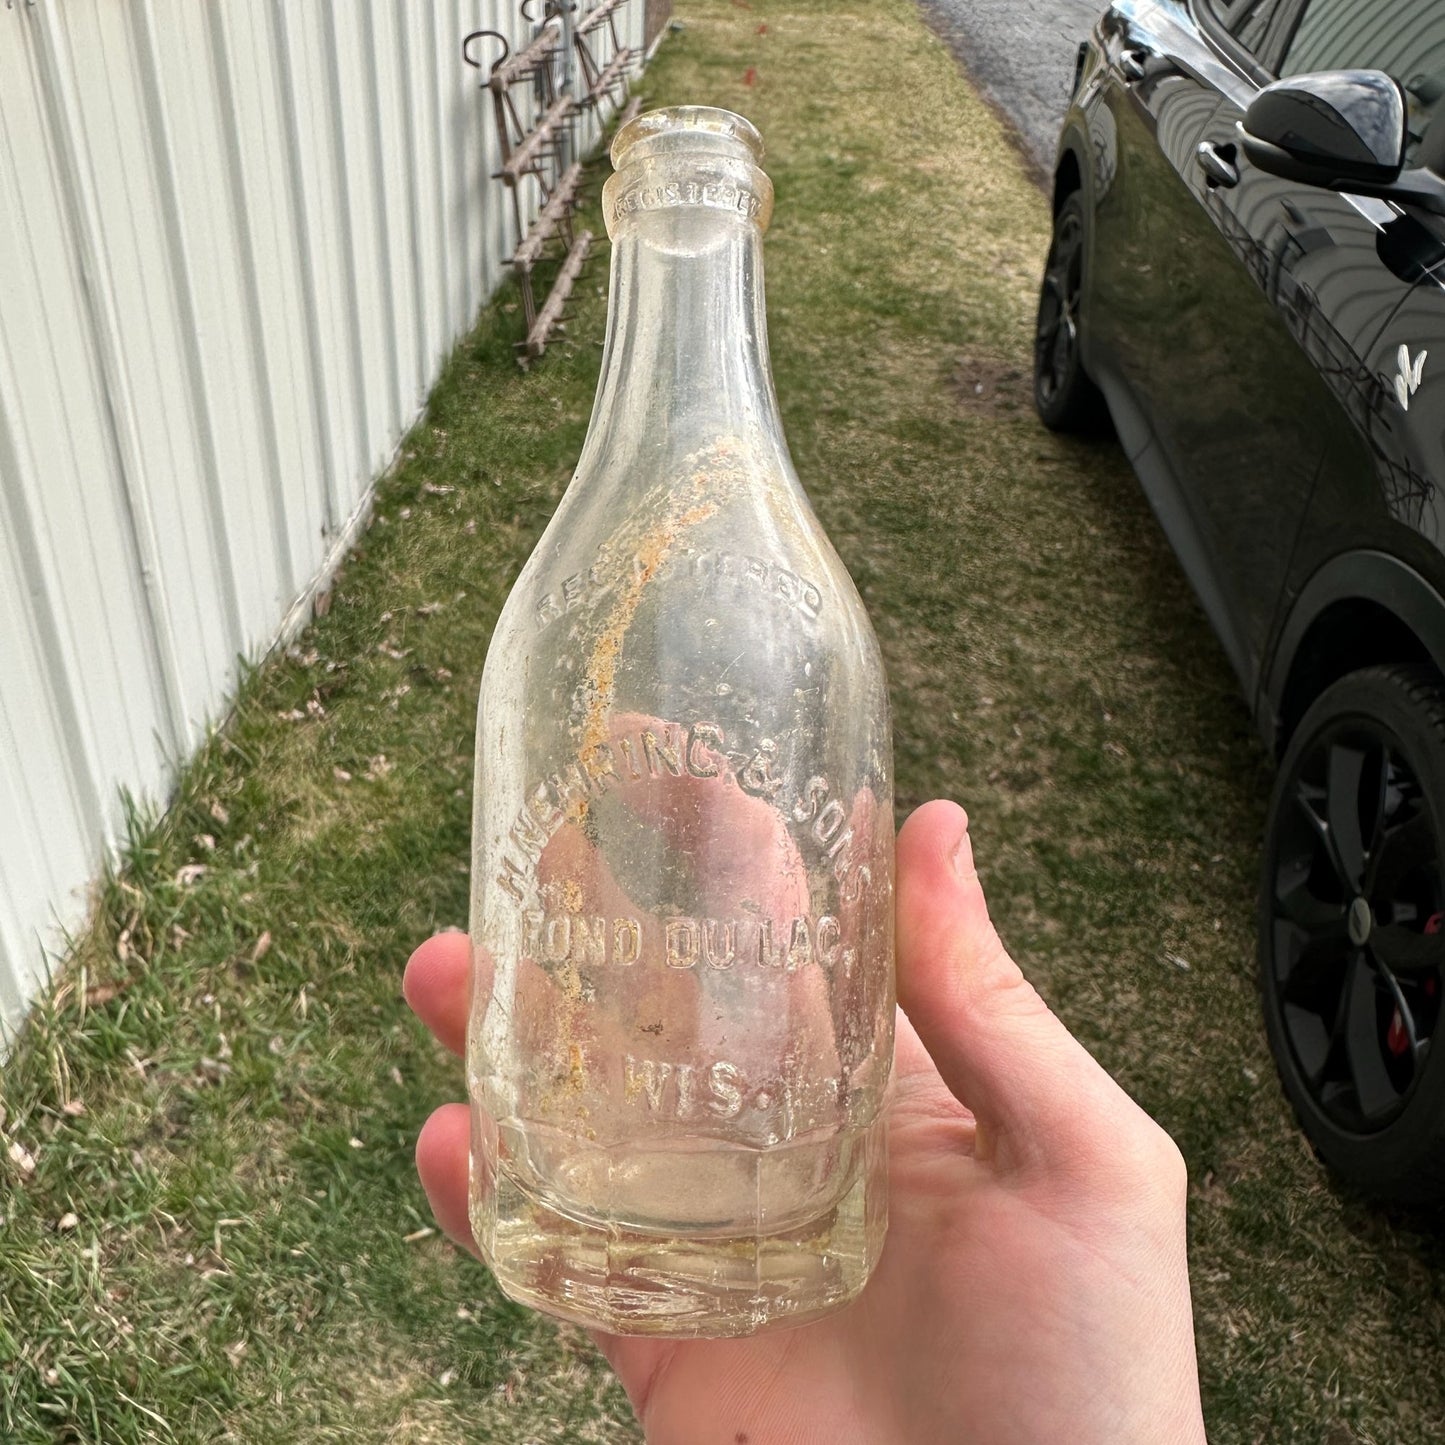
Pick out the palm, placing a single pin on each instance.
(1033, 1286)
(964, 1252)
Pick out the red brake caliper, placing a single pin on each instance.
(1397, 1040)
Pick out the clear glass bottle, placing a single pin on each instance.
(682, 887)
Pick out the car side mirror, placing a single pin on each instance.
(1335, 128)
(1343, 130)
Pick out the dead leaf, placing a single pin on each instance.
(102, 993)
(341, 775)
(470, 527)
(74, 1107)
(395, 653)
(432, 489)
(190, 874)
(262, 947)
(322, 605)
(21, 1158)
(292, 714)
(206, 841)
(67, 1221)
(379, 768)
(429, 609)
(220, 814)
(425, 1232)
(314, 707)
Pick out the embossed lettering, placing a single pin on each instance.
(756, 777)
(687, 1090)
(512, 880)
(727, 1091)
(598, 763)
(589, 940)
(829, 940)
(656, 751)
(814, 791)
(828, 822)
(800, 945)
(557, 938)
(682, 937)
(583, 588)
(719, 938)
(626, 941)
(648, 1077)
(700, 737)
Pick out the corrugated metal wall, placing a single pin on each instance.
(237, 240)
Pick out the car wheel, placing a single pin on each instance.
(1351, 947)
(1063, 394)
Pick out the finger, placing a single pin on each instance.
(437, 986)
(442, 1155)
(1033, 1087)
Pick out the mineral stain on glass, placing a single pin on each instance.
(682, 874)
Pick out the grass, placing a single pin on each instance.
(220, 1236)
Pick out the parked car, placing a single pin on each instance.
(1247, 276)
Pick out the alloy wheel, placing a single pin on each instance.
(1056, 335)
(1356, 953)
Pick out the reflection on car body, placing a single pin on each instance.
(1248, 279)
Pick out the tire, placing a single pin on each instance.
(1064, 396)
(1352, 931)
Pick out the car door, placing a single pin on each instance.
(1294, 299)
(1217, 407)
(1155, 95)
(1382, 491)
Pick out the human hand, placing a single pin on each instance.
(1034, 1285)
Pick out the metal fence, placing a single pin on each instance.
(237, 240)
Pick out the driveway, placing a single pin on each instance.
(1021, 55)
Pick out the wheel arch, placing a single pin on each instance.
(1361, 609)
(1068, 175)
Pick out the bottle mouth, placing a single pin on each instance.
(687, 130)
(684, 158)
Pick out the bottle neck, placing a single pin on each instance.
(686, 361)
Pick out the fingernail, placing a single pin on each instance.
(963, 855)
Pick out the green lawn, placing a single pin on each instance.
(222, 1238)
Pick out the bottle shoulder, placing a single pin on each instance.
(747, 535)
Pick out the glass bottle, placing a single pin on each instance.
(682, 883)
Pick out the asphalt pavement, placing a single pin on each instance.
(1020, 53)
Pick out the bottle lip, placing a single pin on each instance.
(688, 157)
(679, 129)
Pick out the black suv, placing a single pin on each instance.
(1248, 276)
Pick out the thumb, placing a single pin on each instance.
(1040, 1098)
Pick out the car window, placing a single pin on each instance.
(1255, 25)
(1404, 38)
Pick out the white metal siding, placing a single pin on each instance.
(237, 241)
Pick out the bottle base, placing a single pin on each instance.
(677, 1285)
